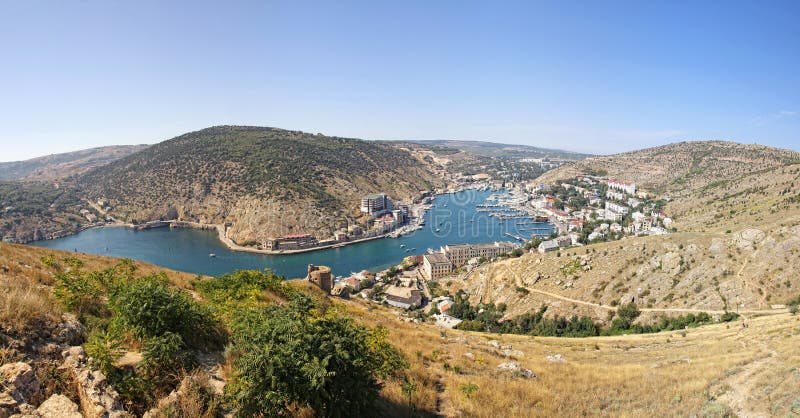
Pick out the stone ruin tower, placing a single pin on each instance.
(320, 276)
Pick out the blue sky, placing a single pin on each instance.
(600, 77)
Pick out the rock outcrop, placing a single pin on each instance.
(18, 381)
(98, 399)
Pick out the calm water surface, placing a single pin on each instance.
(454, 216)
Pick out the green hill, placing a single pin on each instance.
(263, 181)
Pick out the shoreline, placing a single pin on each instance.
(227, 242)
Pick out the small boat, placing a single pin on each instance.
(438, 230)
(212, 255)
(402, 245)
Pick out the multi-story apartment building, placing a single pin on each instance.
(625, 186)
(376, 203)
(436, 265)
(460, 254)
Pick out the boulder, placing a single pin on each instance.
(516, 370)
(97, 397)
(8, 405)
(70, 330)
(19, 380)
(58, 406)
(510, 366)
(747, 238)
(671, 263)
(74, 357)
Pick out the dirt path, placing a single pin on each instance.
(519, 283)
(739, 387)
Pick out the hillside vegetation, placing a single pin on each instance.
(34, 210)
(715, 370)
(737, 212)
(57, 166)
(263, 181)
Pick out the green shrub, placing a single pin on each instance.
(165, 353)
(104, 349)
(288, 357)
(79, 293)
(150, 308)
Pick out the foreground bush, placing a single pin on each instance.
(288, 358)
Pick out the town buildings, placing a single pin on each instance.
(375, 204)
(436, 265)
(460, 254)
(291, 242)
(403, 297)
(624, 186)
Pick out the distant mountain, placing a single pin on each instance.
(264, 182)
(498, 150)
(64, 165)
(680, 167)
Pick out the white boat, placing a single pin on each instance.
(212, 255)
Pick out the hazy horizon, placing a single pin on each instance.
(590, 78)
(554, 148)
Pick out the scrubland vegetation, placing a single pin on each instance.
(424, 371)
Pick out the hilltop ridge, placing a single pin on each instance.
(263, 182)
(59, 166)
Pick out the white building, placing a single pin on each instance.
(624, 186)
(375, 203)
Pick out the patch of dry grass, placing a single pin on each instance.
(663, 374)
(23, 304)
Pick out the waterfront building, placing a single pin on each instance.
(436, 265)
(291, 242)
(375, 203)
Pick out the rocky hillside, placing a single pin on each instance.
(737, 212)
(263, 181)
(53, 350)
(58, 166)
(677, 168)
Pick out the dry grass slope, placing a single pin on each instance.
(710, 371)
